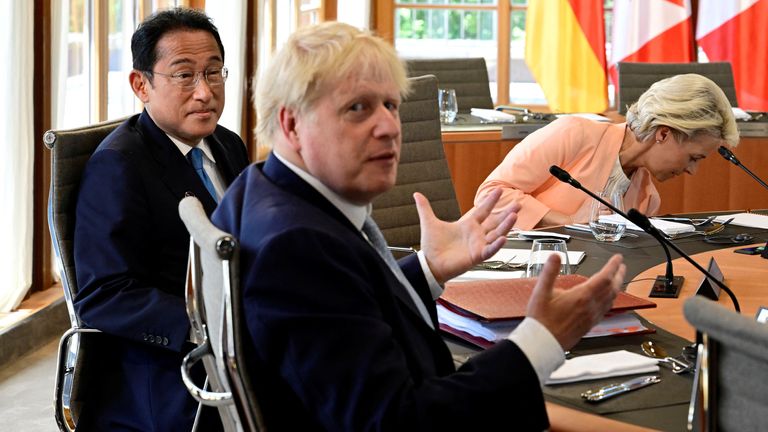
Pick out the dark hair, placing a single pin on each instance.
(149, 32)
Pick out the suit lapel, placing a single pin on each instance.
(175, 172)
(224, 160)
(282, 176)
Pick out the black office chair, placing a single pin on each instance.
(70, 151)
(468, 76)
(422, 168)
(215, 312)
(636, 78)
(732, 369)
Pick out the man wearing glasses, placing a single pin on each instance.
(130, 245)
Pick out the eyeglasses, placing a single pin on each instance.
(188, 79)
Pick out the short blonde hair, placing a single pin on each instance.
(314, 58)
(689, 104)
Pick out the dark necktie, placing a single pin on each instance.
(195, 157)
(377, 241)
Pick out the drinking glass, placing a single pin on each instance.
(446, 99)
(540, 252)
(605, 224)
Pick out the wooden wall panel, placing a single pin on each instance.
(717, 185)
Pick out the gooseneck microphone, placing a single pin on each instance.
(645, 224)
(729, 156)
(564, 177)
(667, 285)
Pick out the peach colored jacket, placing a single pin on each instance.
(587, 150)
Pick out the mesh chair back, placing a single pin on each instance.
(422, 168)
(468, 76)
(212, 299)
(70, 151)
(636, 78)
(737, 353)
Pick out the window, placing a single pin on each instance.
(95, 58)
(493, 29)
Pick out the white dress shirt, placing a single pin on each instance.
(209, 164)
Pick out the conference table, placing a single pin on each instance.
(662, 406)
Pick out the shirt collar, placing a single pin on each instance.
(355, 213)
(186, 148)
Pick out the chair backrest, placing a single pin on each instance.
(213, 306)
(70, 151)
(422, 168)
(734, 367)
(468, 76)
(636, 78)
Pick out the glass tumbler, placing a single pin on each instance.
(446, 99)
(540, 252)
(605, 224)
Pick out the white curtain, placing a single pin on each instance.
(229, 18)
(16, 151)
(354, 12)
(59, 61)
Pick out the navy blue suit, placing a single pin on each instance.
(336, 342)
(131, 257)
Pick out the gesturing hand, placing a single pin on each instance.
(569, 314)
(451, 248)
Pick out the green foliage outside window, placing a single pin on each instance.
(445, 24)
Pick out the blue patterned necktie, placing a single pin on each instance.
(195, 156)
(377, 241)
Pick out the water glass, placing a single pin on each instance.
(446, 99)
(540, 252)
(605, 224)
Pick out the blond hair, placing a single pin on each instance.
(689, 104)
(314, 58)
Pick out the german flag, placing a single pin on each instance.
(565, 51)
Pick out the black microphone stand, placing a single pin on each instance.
(729, 156)
(667, 285)
(643, 222)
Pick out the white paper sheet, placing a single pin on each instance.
(520, 256)
(751, 220)
(667, 227)
(492, 115)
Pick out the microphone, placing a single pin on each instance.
(643, 222)
(667, 285)
(564, 177)
(729, 156)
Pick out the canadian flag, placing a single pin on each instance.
(651, 31)
(735, 31)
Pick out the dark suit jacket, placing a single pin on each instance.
(131, 256)
(337, 344)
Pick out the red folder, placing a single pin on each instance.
(507, 299)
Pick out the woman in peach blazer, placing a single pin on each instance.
(675, 123)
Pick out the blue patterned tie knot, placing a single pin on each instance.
(376, 238)
(195, 157)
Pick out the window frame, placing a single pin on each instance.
(44, 274)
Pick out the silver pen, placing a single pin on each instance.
(619, 388)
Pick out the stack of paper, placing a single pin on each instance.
(493, 115)
(667, 227)
(752, 220)
(520, 256)
(485, 311)
(590, 116)
(486, 333)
